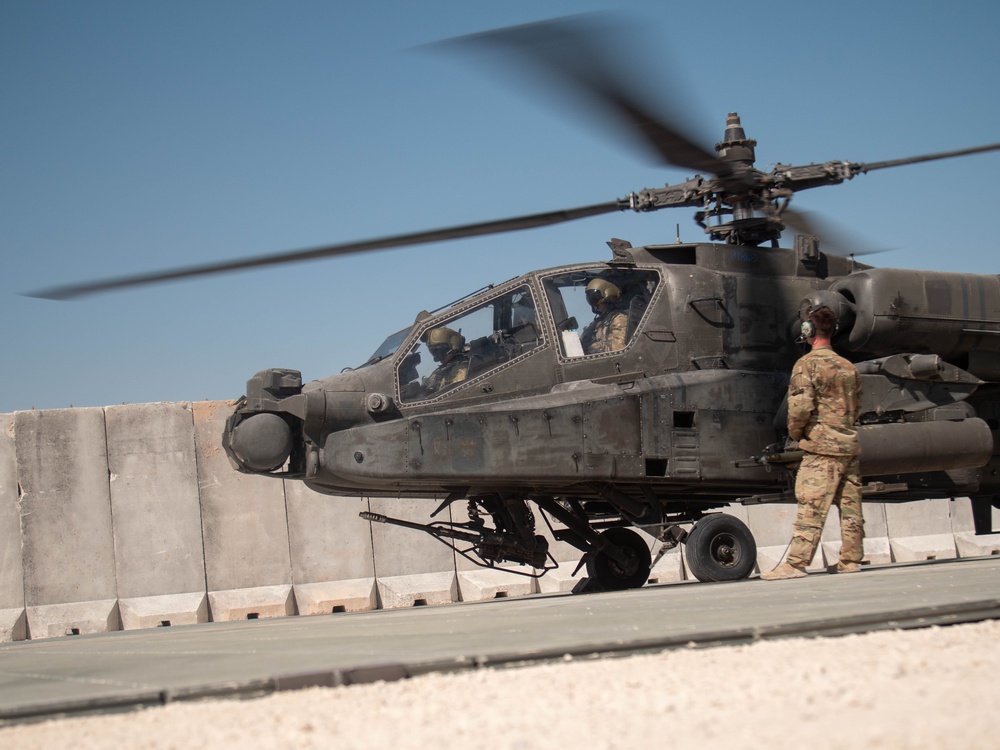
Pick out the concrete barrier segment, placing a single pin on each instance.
(244, 525)
(970, 544)
(967, 542)
(73, 618)
(485, 583)
(920, 531)
(330, 597)
(13, 624)
(330, 547)
(418, 589)
(256, 603)
(156, 514)
(68, 543)
(411, 567)
(562, 578)
(163, 610)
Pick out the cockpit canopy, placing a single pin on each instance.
(515, 321)
(453, 350)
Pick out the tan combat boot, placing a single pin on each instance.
(847, 567)
(785, 570)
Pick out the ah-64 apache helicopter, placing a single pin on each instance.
(670, 405)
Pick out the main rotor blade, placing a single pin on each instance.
(532, 221)
(926, 157)
(834, 238)
(574, 51)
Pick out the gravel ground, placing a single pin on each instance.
(929, 688)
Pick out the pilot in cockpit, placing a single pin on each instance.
(608, 330)
(447, 347)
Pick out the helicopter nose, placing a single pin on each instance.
(262, 442)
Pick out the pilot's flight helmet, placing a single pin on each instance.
(601, 290)
(441, 341)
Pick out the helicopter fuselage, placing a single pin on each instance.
(667, 405)
(670, 416)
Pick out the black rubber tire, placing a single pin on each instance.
(608, 574)
(720, 548)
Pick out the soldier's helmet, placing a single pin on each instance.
(601, 291)
(442, 341)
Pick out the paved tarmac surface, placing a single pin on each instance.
(147, 667)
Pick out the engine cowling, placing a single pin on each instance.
(893, 311)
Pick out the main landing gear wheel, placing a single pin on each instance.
(721, 548)
(612, 575)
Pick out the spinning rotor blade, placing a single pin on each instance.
(835, 172)
(574, 51)
(834, 238)
(863, 168)
(839, 240)
(532, 221)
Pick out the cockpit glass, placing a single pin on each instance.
(388, 347)
(598, 311)
(454, 350)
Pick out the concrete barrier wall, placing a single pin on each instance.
(156, 515)
(248, 569)
(13, 622)
(132, 517)
(68, 549)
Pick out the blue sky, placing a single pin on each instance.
(138, 136)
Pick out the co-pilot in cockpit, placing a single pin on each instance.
(616, 301)
(467, 345)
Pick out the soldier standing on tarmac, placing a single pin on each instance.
(824, 400)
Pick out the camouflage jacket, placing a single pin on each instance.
(446, 375)
(824, 400)
(606, 333)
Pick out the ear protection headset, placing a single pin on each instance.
(808, 328)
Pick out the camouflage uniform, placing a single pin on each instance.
(446, 375)
(824, 399)
(606, 333)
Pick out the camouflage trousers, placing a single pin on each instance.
(823, 481)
